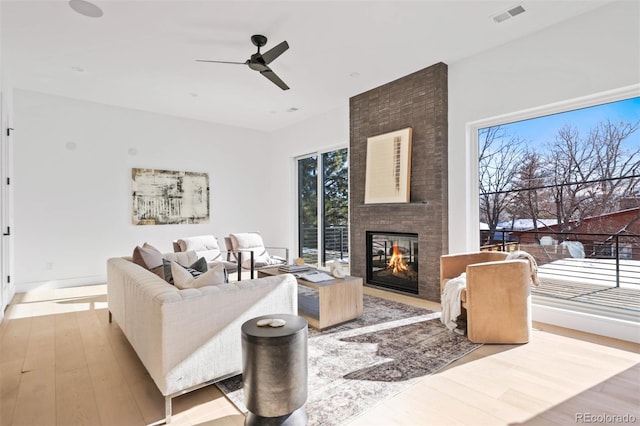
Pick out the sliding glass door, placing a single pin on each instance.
(323, 207)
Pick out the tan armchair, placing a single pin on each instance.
(497, 297)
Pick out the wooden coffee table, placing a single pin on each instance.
(326, 303)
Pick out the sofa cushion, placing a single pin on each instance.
(195, 269)
(183, 279)
(248, 241)
(262, 261)
(205, 245)
(198, 243)
(183, 258)
(149, 258)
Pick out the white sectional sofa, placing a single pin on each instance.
(190, 338)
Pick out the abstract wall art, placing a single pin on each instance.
(388, 168)
(162, 197)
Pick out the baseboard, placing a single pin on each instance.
(590, 319)
(61, 283)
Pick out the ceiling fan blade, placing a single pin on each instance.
(275, 79)
(222, 62)
(272, 54)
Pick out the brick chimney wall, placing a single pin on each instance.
(419, 101)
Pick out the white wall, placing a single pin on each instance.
(73, 207)
(595, 52)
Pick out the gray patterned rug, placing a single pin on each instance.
(356, 365)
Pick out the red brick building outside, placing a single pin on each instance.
(598, 234)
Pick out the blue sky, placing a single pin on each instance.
(543, 129)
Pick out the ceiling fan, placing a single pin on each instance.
(260, 61)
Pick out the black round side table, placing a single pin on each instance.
(274, 370)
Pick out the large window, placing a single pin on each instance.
(566, 188)
(323, 207)
(561, 169)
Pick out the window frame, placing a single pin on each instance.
(320, 194)
(472, 128)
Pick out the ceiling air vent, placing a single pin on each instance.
(503, 16)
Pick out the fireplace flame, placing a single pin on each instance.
(397, 262)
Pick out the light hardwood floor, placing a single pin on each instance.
(62, 363)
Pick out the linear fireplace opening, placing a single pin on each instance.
(392, 260)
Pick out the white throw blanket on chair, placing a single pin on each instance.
(451, 308)
(533, 266)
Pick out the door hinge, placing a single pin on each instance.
(8, 231)
(9, 129)
(8, 181)
(8, 279)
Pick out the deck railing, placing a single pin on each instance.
(336, 243)
(547, 247)
(600, 269)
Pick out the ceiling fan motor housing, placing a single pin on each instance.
(258, 40)
(257, 63)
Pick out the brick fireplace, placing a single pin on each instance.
(419, 101)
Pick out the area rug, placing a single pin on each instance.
(356, 365)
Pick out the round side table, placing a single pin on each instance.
(274, 370)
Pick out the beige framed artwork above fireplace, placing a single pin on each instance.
(388, 170)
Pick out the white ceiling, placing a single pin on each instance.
(142, 54)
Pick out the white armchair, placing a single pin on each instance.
(249, 250)
(205, 246)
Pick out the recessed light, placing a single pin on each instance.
(86, 8)
(71, 146)
(354, 74)
(292, 109)
(78, 69)
(193, 94)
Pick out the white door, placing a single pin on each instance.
(6, 233)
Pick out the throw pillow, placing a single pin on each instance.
(196, 268)
(183, 279)
(149, 258)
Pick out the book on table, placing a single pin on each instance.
(293, 268)
(315, 276)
